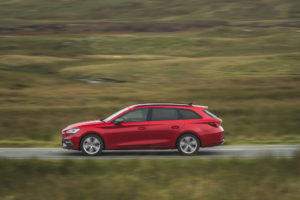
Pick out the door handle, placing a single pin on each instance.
(175, 127)
(142, 128)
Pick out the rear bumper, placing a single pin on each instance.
(213, 139)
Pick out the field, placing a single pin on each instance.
(243, 65)
(64, 61)
(265, 179)
(21, 12)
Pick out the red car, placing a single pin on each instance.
(185, 127)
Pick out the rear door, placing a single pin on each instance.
(163, 127)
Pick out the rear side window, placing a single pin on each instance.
(210, 114)
(159, 114)
(188, 114)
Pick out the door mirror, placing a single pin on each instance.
(119, 121)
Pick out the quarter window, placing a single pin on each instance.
(137, 115)
(210, 114)
(159, 114)
(188, 114)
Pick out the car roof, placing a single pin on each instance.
(169, 104)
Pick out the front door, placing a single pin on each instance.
(131, 133)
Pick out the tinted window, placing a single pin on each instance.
(188, 114)
(137, 115)
(115, 114)
(159, 114)
(210, 114)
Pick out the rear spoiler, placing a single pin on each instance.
(199, 106)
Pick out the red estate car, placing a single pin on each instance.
(185, 127)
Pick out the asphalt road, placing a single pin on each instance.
(280, 151)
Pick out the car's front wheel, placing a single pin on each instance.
(91, 145)
(188, 144)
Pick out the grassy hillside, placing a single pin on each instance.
(248, 75)
(265, 179)
(41, 11)
(250, 79)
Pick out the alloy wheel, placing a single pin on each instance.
(91, 145)
(188, 144)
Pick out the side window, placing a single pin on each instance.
(159, 114)
(210, 114)
(137, 115)
(188, 114)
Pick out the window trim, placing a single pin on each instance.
(115, 115)
(122, 114)
(181, 116)
(210, 114)
(150, 114)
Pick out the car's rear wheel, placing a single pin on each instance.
(188, 144)
(91, 145)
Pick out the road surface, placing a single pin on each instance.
(279, 151)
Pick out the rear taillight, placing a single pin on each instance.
(215, 124)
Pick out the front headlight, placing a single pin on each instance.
(72, 131)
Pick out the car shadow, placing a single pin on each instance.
(140, 154)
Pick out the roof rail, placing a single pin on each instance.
(162, 104)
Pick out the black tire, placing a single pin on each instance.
(192, 144)
(91, 145)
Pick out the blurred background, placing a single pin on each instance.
(64, 61)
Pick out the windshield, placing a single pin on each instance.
(114, 115)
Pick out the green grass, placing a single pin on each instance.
(248, 75)
(248, 79)
(265, 179)
(41, 11)
(219, 41)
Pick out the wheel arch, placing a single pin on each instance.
(190, 133)
(91, 133)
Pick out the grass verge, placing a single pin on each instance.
(261, 179)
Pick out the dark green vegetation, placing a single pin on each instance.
(247, 75)
(37, 11)
(262, 179)
(250, 79)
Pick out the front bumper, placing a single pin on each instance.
(67, 144)
(223, 141)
